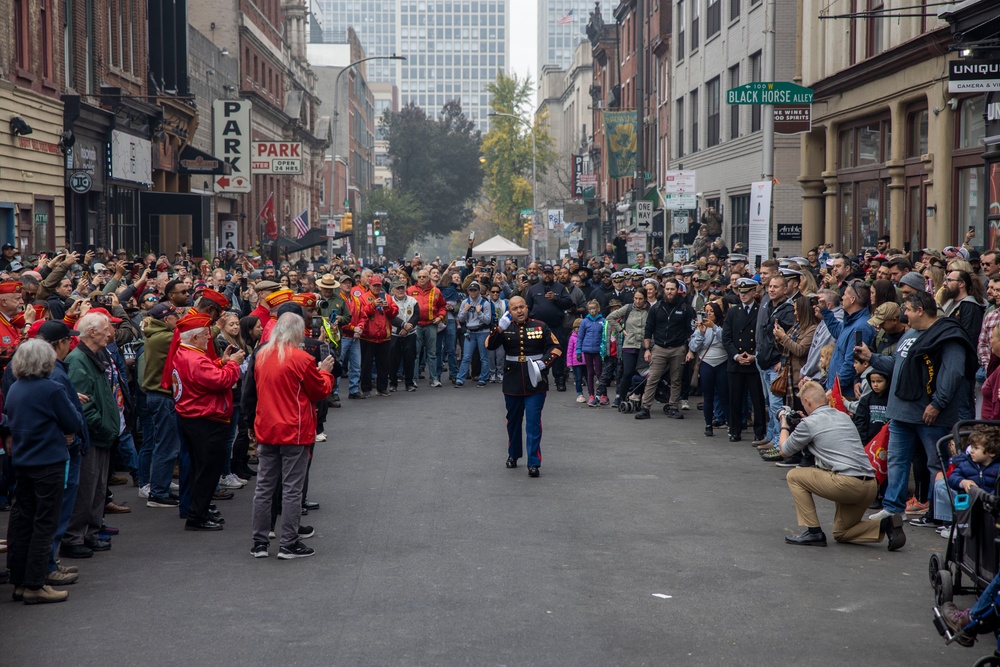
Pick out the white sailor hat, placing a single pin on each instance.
(746, 284)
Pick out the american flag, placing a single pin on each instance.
(301, 222)
(566, 20)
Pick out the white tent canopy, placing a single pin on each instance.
(499, 246)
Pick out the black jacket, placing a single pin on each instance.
(768, 353)
(550, 311)
(739, 335)
(670, 323)
(918, 375)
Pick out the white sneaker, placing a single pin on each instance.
(580, 398)
(321, 437)
(685, 405)
(228, 482)
(144, 491)
(174, 487)
(881, 514)
(271, 535)
(243, 482)
(435, 383)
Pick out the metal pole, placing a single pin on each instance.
(534, 194)
(767, 163)
(640, 102)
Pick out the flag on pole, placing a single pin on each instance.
(348, 246)
(271, 225)
(566, 20)
(301, 222)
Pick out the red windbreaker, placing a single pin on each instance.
(286, 391)
(201, 386)
(359, 314)
(378, 328)
(431, 302)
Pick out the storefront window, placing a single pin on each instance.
(994, 207)
(917, 134)
(869, 213)
(846, 215)
(973, 125)
(869, 144)
(969, 203)
(847, 149)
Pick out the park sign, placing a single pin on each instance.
(774, 92)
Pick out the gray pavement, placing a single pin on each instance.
(430, 552)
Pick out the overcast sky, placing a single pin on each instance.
(523, 45)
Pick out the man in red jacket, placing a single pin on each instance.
(432, 312)
(376, 338)
(350, 341)
(287, 382)
(203, 397)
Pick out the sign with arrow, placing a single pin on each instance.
(232, 143)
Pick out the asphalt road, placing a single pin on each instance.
(643, 543)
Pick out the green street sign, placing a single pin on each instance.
(525, 212)
(776, 92)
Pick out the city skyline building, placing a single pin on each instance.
(562, 25)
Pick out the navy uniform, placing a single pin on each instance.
(739, 335)
(524, 344)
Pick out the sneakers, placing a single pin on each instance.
(944, 530)
(230, 481)
(642, 414)
(60, 578)
(923, 522)
(297, 550)
(259, 550)
(915, 507)
(604, 400)
(174, 487)
(44, 595)
(458, 384)
(305, 532)
(580, 398)
(321, 437)
(480, 384)
(771, 455)
(685, 405)
(434, 383)
(155, 501)
(592, 402)
(144, 491)
(791, 462)
(411, 387)
(673, 414)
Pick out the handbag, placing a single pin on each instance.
(779, 386)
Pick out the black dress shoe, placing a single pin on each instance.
(206, 524)
(310, 505)
(533, 471)
(97, 545)
(511, 462)
(807, 539)
(75, 551)
(735, 437)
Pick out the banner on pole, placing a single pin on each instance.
(620, 129)
(760, 220)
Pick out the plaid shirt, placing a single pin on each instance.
(990, 322)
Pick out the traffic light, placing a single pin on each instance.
(528, 228)
(377, 226)
(347, 222)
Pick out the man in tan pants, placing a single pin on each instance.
(842, 474)
(668, 328)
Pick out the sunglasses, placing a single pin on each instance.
(152, 300)
(180, 291)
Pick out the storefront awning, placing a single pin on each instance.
(195, 161)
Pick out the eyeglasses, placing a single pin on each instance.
(152, 300)
(180, 291)
(494, 291)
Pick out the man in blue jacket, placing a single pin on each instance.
(855, 301)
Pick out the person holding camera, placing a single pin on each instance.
(842, 474)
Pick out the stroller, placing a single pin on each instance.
(971, 561)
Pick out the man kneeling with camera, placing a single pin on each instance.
(842, 474)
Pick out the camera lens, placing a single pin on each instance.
(323, 305)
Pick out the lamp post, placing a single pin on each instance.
(336, 116)
(534, 182)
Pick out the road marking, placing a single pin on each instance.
(638, 477)
(662, 596)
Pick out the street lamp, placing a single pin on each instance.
(534, 182)
(336, 115)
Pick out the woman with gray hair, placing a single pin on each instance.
(287, 383)
(43, 423)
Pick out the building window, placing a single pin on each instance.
(969, 204)
(695, 22)
(694, 121)
(739, 216)
(734, 9)
(714, 18)
(972, 125)
(916, 133)
(875, 24)
(680, 29)
(714, 117)
(22, 33)
(680, 127)
(46, 39)
(755, 109)
(734, 109)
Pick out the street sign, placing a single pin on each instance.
(636, 242)
(973, 76)
(680, 201)
(679, 182)
(331, 229)
(232, 143)
(228, 230)
(80, 182)
(770, 92)
(680, 222)
(643, 215)
(380, 241)
(793, 119)
(555, 218)
(277, 157)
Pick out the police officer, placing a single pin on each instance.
(739, 337)
(530, 348)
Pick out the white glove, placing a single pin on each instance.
(504, 322)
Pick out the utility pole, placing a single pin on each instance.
(767, 163)
(640, 102)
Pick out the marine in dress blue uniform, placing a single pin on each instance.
(525, 341)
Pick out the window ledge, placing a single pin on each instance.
(24, 74)
(714, 37)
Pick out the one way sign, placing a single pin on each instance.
(232, 143)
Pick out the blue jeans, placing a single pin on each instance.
(350, 358)
(166, 443)
(446, 347)
(427, 342)
(126, 452)
(146, 449)
(942, 501)
(774, 404)
(68, 501)
(529, 410)
(578, 378)
(474, 340)
(234, 427)
(903, 438)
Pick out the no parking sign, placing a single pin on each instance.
(228, 230)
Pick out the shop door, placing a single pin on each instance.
(915, 218)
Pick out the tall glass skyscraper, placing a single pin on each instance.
(454, 48)
(562, 24)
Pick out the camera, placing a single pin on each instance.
(323, 304)
(102, 300)
(792, 418)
